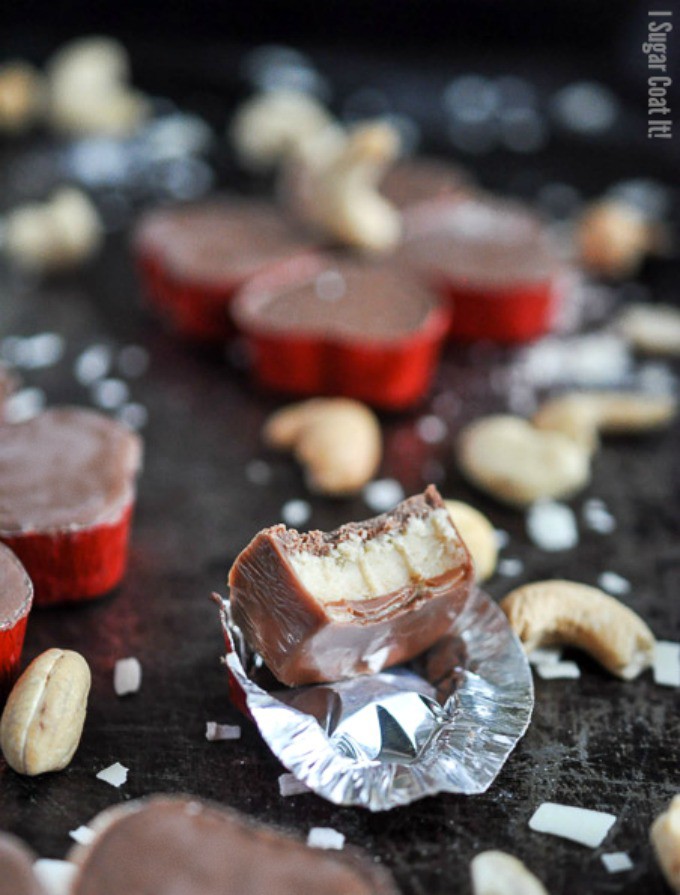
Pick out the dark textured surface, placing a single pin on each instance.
(595, 742)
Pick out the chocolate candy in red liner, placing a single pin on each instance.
(67, 490)
(327, 606)
(419, 187)
(494, 262)
(193, 259)
(325, 325)
(179, 845)
(16, 868)
(16, 599)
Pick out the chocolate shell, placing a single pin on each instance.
(16, 868)
(323, 607)
(180, 845)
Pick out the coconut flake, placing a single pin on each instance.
(55, 877)
(325, 837)
(133, 415)
(510, 567)
(431, 429)
(570, 822)
(289, 785)
(502, 538)
(93, 364)
(24, 405)
(552, 526)
(83, 835)
(127, 676)
(545, 655)
(215, 732)
(597, 517)
(666, 668)
(110, 394)
(614, 584)
(382, 495)
(116, 774)
(551, 671)
(296, 512)
(617, 861)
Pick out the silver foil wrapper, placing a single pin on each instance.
(447, 722)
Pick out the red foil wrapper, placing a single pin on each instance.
(16, 600)
(72, 565)
(391, 374)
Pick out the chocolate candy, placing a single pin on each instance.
(193, 259)
(322, 607)
(16, 868)
(327, 326)
(16, 599)
(67, 487)
(187, 847)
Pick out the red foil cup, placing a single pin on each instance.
(507, 313)
(13, 626)
(391, 374)
(69, 566)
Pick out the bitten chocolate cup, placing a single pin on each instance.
(323, 607)
(188, 847)
(16, 599)
(67, 490)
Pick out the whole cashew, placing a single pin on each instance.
(652, 329)
(478, 534)
(613, 237)
(564, 612)
(22, 96)
(582, 415)
(343, 198)
(665, 837)
(337, 440)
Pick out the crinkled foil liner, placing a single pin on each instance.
(447, 723)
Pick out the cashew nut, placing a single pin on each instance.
(343, 200)
(479, 536)
(612, 238)
(549, 613)
(337, 440)
(45, 713)
(652, 329)
(54, 235)
(270, 126)
(22, 96)
(519, 464)
(665, 837)
(582, 415)
(89, 91)
(498, 873)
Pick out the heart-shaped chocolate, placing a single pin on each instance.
(66, 493)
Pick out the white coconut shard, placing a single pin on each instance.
(289, 785)
(115, 775)
(325, 837)
(216, 733)
(617, 862)
(498, 873)
(55, 877)
(94, 363)
(614, 583)
(545, 655)
(666, 668)
(382, 495)
(83, 835)
(510, 567)
(597, 517)
(24, 405)
(296, 512)
(502, 538)
(127, 676)
(552, 671)
(580, 825)
(552, 526)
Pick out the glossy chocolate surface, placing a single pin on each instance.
(304, 641)
(219, 240)
(16, 589)
(335, 297)
(481, 242)
(65, 468)
(16, 868)
(185, 847)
